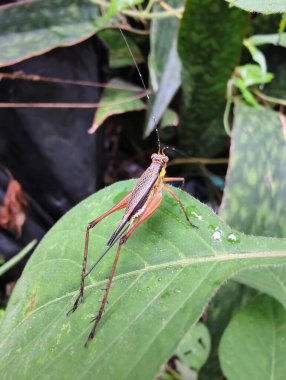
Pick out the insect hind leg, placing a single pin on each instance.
(120, 205)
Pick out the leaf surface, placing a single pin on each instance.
(260, 6)
(166, 275)
(164, 65)
(33, 27)
(209, 45)
(118, 97)
(255, 193)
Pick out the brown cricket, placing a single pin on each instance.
(139, 204)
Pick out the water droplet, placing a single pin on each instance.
(233, 238)
(193, 211)
(177, 291)
(217, 235)
(211, 228)
(159, 279)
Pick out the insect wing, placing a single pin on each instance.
(139, 197)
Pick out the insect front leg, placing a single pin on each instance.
(180, 204)
(120, 205)
(176, 179)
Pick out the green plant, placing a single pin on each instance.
(169, 274)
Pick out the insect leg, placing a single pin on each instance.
(104, 300)
(176, 179)
(121, 204)
(180, 204)
(150, 209)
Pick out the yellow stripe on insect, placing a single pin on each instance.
(163, 172)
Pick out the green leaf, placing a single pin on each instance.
(249, 75)
(166, 276)
(229, 299)
(33, 27)
(169, 119)
(252, 74)
(210, 43)
(194, 348)
(117, 6)
(118, 97)
(119, 55)
(255, 193)
(261, 6)
(164, 65)
(253, 345)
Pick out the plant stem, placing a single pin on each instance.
(198, 160)
(5, 267)
(270, 99)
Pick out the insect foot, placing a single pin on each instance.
(76, 304)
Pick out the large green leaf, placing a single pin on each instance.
(210, 43)
(253, 345)
(33, 27)
(165, 278)
(229, 299)
(261, 6)
(255, 193)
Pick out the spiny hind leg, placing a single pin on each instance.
(120, 205)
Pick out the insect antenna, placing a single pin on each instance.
(145, 88)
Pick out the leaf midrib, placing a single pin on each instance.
(150, 268)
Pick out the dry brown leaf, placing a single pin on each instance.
(13, 209)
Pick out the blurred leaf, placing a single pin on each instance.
(163, 35)
(117, 6)
(254, 199)
(30, 28)
(165, 278)
(210, 43)
(255, 195)
(164, 65)
(253, 345)
(249, 75)
(169, 119)
(194, 348)
(117, 98)
(252, 74)
(119, 55)
(260, 6)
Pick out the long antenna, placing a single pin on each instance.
(142, 81)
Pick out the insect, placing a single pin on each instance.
(139, 205)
